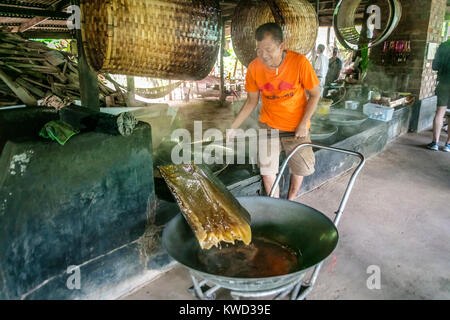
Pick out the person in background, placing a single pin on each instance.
(441, 64)
(321, 67)
(334, 70)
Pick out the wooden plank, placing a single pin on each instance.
(7, 45)
(13, 68)
(45, 69)
(55, 58)
(19, 53)
(19, 91)
(36, 83)
(34, 90)
(24, 58)
(32, 23)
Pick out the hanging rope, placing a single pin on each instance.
(148, 93)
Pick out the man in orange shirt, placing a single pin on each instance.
(283, 78)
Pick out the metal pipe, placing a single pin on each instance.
(318, 146)
(211, 291)
(310, 284)
(259, 294)
(197, 287)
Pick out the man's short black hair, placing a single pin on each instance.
(272, 29)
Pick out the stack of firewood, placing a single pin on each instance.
(32, 72)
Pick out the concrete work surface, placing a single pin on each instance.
(397, 222)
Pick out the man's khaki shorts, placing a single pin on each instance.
(301, 164)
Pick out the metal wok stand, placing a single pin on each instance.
(299, 288)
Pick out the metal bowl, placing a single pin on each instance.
(322, 131)
(346, 118)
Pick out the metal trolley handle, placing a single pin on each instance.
(303, 288)
(349, 186)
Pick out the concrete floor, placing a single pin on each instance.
(397, 218)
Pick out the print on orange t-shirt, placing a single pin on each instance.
(283, 95)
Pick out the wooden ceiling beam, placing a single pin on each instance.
(9, 10)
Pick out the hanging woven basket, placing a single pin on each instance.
(297, 17)
(171, 39)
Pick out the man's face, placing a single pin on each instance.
(270, 51)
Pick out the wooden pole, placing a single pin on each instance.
(328, 36)
(235, 67)
(88, 78)
(131, 101)
(88, 82)
(222, 79)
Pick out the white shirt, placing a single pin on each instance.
(321, 66)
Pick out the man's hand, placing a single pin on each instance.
(301, 131)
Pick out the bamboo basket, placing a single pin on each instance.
(170, 39)
(299, 22)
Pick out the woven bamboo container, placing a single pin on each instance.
(300, 26)
(170, 39)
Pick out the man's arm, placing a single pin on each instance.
(311, 106)
(246, 110)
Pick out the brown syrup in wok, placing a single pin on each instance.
(262, 258)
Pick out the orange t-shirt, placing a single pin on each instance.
(283, 95)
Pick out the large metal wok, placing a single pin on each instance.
(293, 224)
